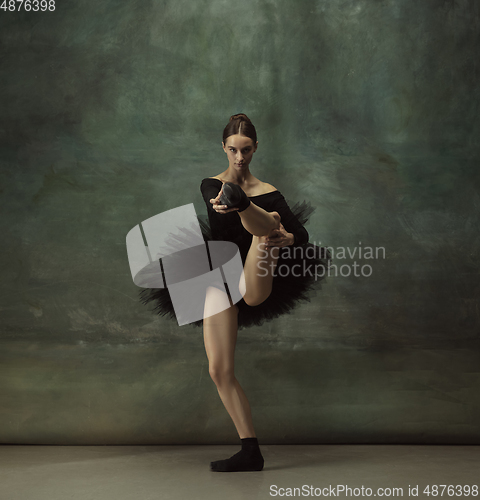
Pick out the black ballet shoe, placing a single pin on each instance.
(234, 197)
(249, 458)
(240, 462)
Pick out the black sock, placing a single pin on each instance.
(249, 458)
(234, 196)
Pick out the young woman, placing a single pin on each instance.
(254, 215)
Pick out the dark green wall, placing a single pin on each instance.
(112, 112)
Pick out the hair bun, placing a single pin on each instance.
(241, 117)
(242, 125)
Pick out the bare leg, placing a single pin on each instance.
(255, 219)
(258, 221)
(220, 337)
(257, 279)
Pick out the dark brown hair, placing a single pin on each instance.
(240, 124)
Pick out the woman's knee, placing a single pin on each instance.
(252, 301)
(221, 375)
(277, 218)
(256, 299)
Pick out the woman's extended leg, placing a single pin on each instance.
(255, 219)
(257, 277)
(258, 221)
(220, 336)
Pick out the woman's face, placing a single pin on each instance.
(239, 151)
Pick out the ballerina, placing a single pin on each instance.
(256, 217)
(239, 187)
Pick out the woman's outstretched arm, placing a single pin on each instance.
(255, 219)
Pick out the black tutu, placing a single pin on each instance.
(298, 275)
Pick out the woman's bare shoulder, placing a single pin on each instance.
(268, 188)
(257, 189)
(260, 188)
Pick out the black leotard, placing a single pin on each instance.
(289, 287)
(228, 227)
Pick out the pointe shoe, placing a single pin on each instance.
(234, 197)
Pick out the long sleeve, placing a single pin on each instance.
(290, 222)
(229, 226)
(223, 226)
(210, 189)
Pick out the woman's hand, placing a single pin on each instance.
(279, 238)
(221, 209)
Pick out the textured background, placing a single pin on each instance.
(112, 112)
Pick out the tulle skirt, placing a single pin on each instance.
(298, 276)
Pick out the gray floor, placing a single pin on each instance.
(181, 472)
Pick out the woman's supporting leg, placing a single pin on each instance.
(220, 336)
